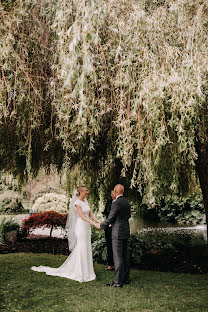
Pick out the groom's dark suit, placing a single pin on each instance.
(119, 219)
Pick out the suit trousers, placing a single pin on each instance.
(108, 238)
(121, 260)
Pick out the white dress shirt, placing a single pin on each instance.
(119, 196)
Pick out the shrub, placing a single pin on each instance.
(175, 210)
(99, 249)
(182, 210)
(136, 249)
(95, 234)
(169, 240)
(7, 226)
(10, 203)
(148, 213)
(51, 202)
(161, 241)
(47, 219)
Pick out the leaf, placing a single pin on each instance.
(89, 36)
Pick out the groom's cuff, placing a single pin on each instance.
(102, 225)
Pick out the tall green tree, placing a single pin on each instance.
(121, 87)
(26, 115)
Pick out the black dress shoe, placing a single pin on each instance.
(126, 282)
(114, 285)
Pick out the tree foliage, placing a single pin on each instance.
(51, 202)
(50, 219)
(107, 88)
(26, 114)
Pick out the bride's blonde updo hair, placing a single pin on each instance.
(79, 189)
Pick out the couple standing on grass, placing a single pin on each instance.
(79, 265)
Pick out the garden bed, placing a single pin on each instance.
(192, 260)
(37, 244)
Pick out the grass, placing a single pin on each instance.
(25, 290)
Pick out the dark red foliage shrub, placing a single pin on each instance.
(48, 219)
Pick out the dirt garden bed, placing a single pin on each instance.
(37, 244)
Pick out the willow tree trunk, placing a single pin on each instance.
(202, 171)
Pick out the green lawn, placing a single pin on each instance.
(25, 290)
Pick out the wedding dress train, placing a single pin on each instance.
(79, 265)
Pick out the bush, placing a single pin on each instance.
(149, 241)
(148, 213)
(136, 249)
(95, 234)
(47, 219)
(7, 226)
(175, 210)
(51, 202)
(182, 210)
(10, 203)
(163, 237)
(165, 242)
(99, 249)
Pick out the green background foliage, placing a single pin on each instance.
(10, 203)
(174, 209)
(165, 243)
(7, 226)
(108, 90)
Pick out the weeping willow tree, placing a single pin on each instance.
(108, 89)
(26, 115)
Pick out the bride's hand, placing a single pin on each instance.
(97, 225)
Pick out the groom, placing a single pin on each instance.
(119, 219)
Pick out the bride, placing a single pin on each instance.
(79, 265)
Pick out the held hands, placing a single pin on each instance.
(97, 225)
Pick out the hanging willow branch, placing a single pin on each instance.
(142, 67)
(26, 57)
(115, 87)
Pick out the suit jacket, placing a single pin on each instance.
(119, 219)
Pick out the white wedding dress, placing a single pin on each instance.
(79, 265)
